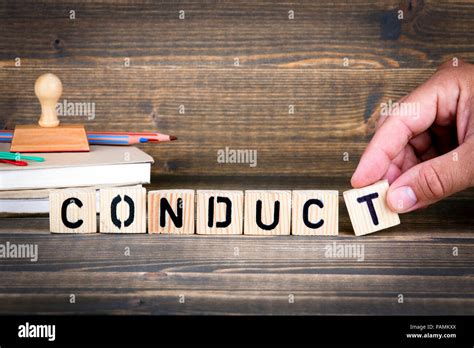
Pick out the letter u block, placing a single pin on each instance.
(368, 208)
(267, 212)
(171, 211)
(219, 212)
(315, 213)
(123, 210)
(72, 211)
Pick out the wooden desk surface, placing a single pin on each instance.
(190, 65)
(247, 275)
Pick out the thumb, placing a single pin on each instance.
(432, 180)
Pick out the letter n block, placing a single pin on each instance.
(368, 208)
(267, 212)
(219, 212)
(123, 210)
(315, 213)
(72, 211)
(171, 211)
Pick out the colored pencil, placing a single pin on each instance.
(110, 138)
(156, 137)
(15, 163)
(18, 156)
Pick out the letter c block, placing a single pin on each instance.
(72, 211)
(315, 213)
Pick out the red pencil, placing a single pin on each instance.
(15, 163)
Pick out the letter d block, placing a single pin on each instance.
(267, 212)
(123, 210)
(368, 208)
(72, 211)
(219, 212)
(315, 213)
(171, 211)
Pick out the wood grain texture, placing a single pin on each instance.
(256, 280)
(175, 198)
(327, 214)
(235, 108)
(282, 62)
(260, 33)
(234, 219)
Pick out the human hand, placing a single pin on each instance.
(425, 155)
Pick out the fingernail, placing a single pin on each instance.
(402, 198)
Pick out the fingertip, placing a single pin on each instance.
(356, 179)
(401, 199)
(365, 174)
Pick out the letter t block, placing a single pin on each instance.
(368, 208)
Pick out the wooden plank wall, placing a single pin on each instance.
(191, 62)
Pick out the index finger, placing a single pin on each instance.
(411, 117)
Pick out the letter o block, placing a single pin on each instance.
(171, 211)
(72, 211)
(368, 208)
(315, 213)
(267, 212)
(219, 212)
(123, 210)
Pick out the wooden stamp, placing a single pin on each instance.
(123, 210)
(171, 211)
(72, 211)
(315, 212)
(267, 212)
(368, 208)
(219, 212)
(49, 136)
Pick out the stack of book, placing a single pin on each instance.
(25, 189)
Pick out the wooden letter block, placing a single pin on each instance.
(368, 208)
(171, 211)
(267, 212)
(123, 210)
(219, 212)
(72, 211)
(315, 212)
